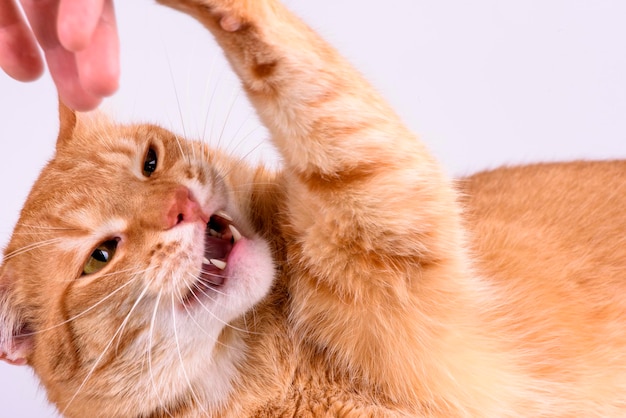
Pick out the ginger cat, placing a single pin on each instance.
(149, 276)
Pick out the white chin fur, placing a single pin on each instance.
(211, 370)
(250, 274)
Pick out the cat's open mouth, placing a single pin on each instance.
(219, 239)
(221, 235)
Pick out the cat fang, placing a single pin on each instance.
(220, 239)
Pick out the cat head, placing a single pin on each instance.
(131, 255)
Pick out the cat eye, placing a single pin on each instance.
(150, 162)
(100, 257)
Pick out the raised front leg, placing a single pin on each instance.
(374, 238)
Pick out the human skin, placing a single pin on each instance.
(79, 44)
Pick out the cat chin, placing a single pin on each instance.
(249, 275)
(205, 321)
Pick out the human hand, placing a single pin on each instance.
(79, 42)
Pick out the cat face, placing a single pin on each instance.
(130, 258)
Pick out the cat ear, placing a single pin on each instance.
(67, 124)
(16, 342)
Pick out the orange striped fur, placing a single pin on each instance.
(365, 282)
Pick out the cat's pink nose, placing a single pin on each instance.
(182, 207)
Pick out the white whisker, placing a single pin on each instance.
(219, 82)
(180, 358)
(125, 322)
(244, 138)
(31, 247)
(30, 232)
(150, 344)
(208, 84)
(180, 110)
(226, 324)
(106, 348)
(45, 227)
(95, 305)
(231, 105)
(204, 331)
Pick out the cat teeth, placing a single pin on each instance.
(224, 215)
(206, 261)
(235, 232)
(214, 233)
(218, 263)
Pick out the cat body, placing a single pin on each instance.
(149, 276)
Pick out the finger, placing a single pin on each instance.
(77, 21)
(98, 64)
(42, 15)
(19, 54)
(62, 65)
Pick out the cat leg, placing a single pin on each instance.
(374, 239)
(367, 184)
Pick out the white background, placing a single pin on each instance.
(483, 83)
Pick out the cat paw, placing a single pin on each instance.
(231, 23)
(228, 14)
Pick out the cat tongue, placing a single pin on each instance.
(216, 248)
